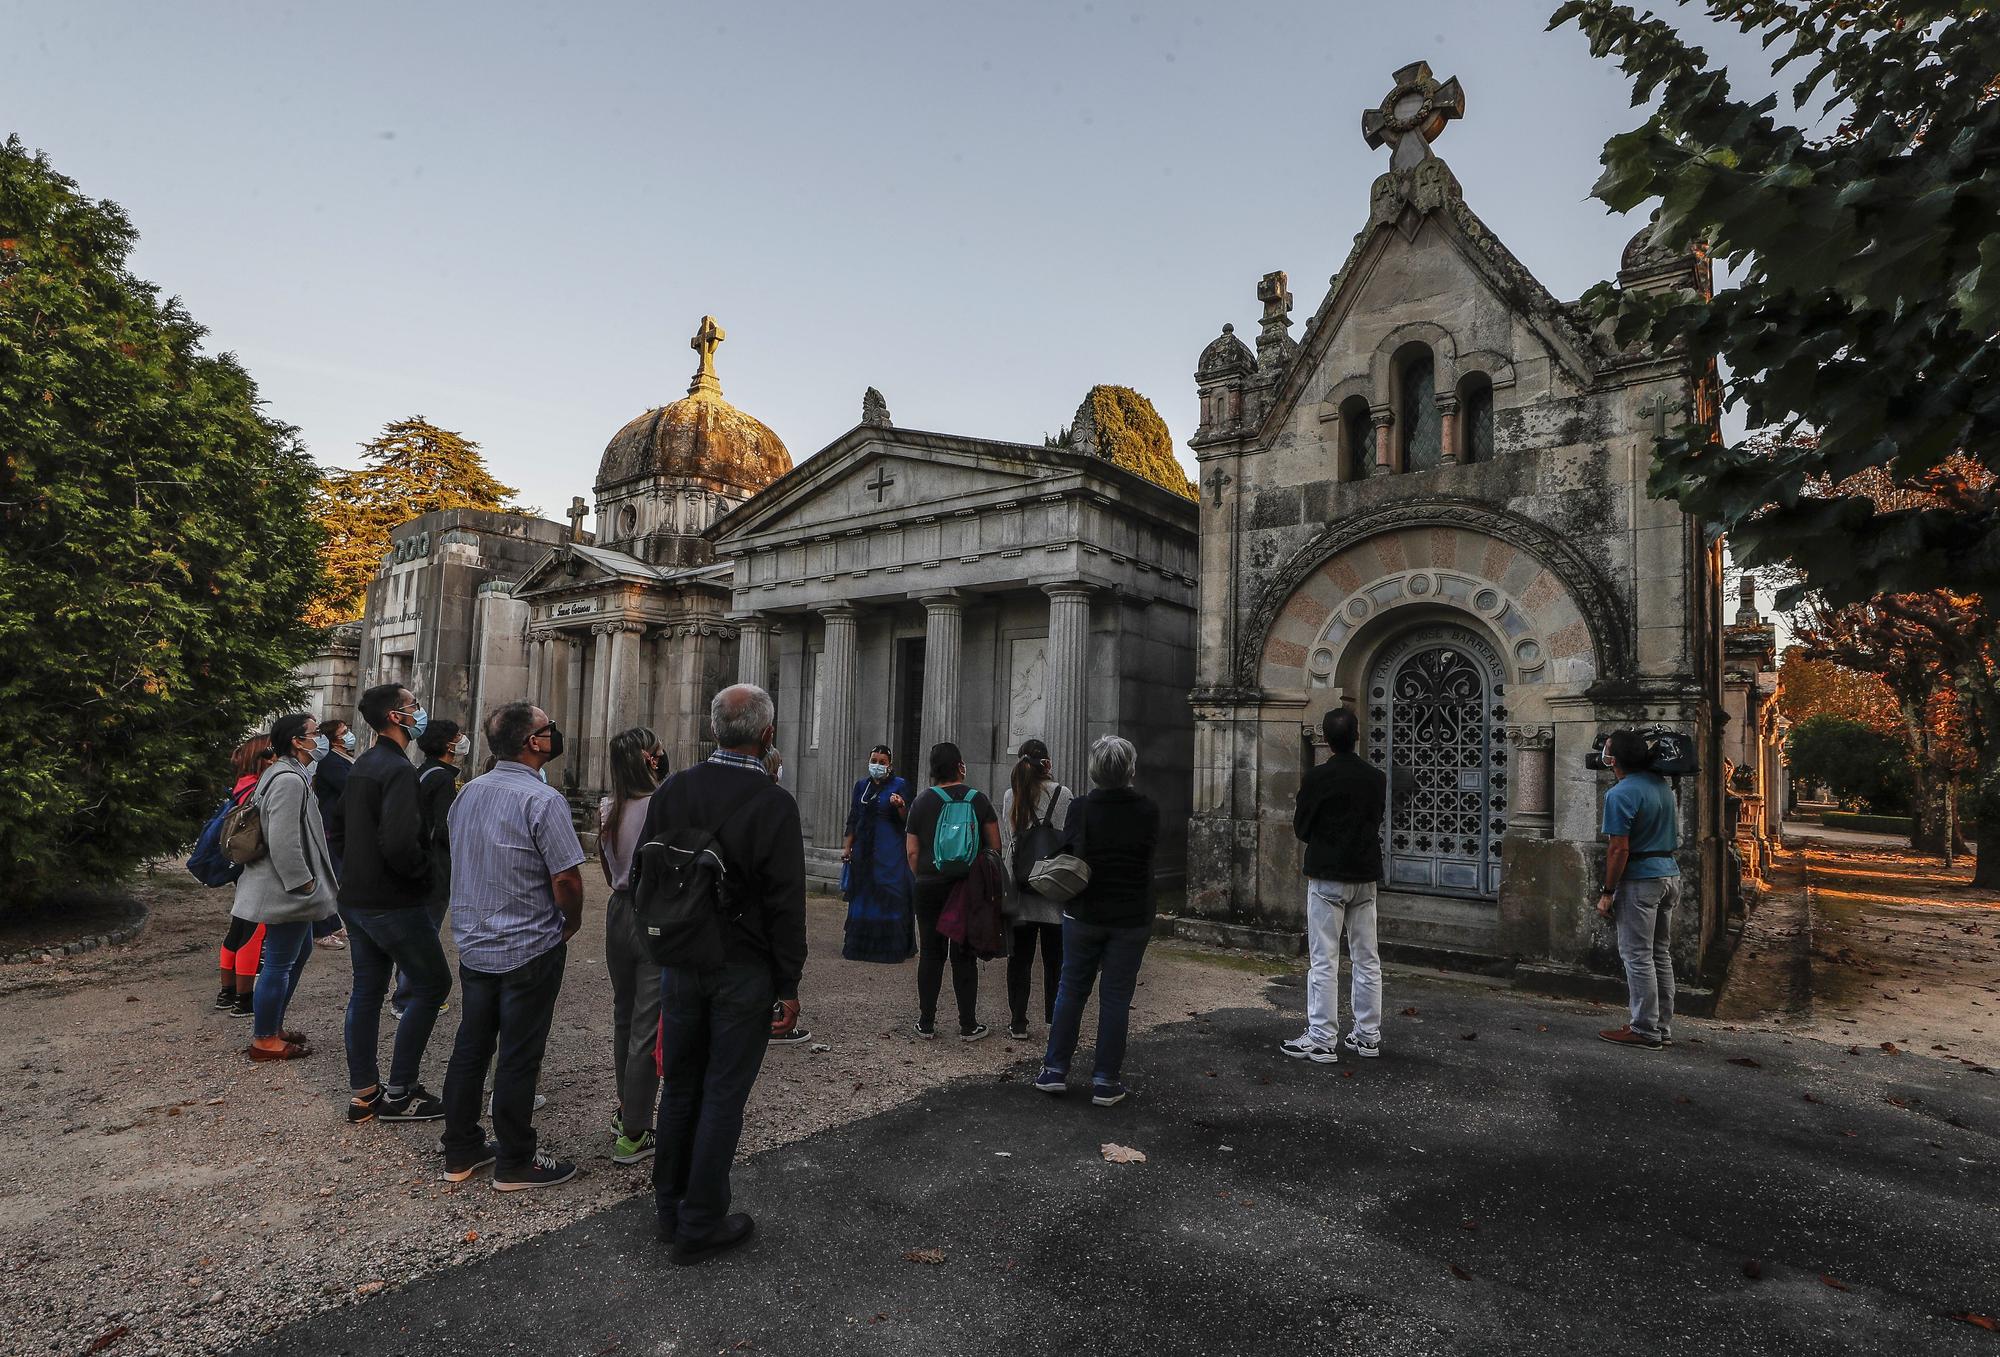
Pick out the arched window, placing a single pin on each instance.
(1357, 439)
(1423, 430)
(1475, 418)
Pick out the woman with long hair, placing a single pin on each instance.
(243, 944)
(289, 888)
(1033, 812)
(637, 767)
(875, 872)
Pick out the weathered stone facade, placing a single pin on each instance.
(1430, 507)
(1753, 733)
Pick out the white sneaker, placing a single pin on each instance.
(1305, 1048)
(1369, 1047)
(541, 1101)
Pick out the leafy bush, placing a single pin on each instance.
(1858, 763)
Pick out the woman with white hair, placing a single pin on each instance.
(1106, 925)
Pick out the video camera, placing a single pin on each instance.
(1673, 752)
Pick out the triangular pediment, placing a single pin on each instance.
(1429, 269)
(576, 565)
(874, 475)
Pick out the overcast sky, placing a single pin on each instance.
(510, 217)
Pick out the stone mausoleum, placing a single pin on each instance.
(1429, 506)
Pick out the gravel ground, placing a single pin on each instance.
(161, 1194)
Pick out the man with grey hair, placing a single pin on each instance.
(716, 1023)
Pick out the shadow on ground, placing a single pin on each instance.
(1499, 1182)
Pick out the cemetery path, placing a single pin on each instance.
(1498, 1182)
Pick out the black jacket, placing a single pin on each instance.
(329, 781)
(1340, 818)
(1115, 830)
(437, 788)
(764, 850)
(385, 862)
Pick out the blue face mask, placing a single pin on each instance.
(878, 771)
(420, 721)
(320, 747)
(347, 740)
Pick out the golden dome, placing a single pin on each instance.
(700, 436)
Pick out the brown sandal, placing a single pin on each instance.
(291, 1050)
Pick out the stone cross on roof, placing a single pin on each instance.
(705, 339)
(578, 510)
(1413, 115)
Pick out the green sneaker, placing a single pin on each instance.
(626, 1150)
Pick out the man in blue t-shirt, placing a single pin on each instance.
(1642, 884)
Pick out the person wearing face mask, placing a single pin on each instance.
(445, 748)
(384, 888)
(875, 873)
(636, 764)
(287, 888)
(329, 780)
(516, 901)
(328, 932)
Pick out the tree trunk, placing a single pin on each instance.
(1927, 794)
(1985, 819)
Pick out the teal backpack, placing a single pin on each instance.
(955, 843)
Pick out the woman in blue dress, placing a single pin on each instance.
(876, 874)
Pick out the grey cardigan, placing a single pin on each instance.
(273, 889)
(1025, 907)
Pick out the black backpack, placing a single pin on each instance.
(1039, 840)
(684, 892)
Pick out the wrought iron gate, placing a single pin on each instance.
(1433, 717)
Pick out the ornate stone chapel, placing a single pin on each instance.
(1428, 505)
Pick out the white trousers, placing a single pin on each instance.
(1334, 907)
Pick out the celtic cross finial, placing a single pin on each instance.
(705, 339)
(1413, 115)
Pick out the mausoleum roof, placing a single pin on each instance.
(700, 436)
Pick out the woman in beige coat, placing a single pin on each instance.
(288, 889)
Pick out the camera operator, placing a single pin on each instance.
(1642, 884)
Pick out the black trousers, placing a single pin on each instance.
(511, 1012)
(1021, 969)
(714, 1028)
(932, 949)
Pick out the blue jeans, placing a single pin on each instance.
(510, 1011)
(715, 1027)
(1089, 949)
(380, 940)
(401, 997)
(286, 947)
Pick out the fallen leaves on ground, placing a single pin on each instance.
(472, 1236)
(1809, 1097)
(1892, 1048)
(1753, 1269)
(1468, 1225)
(1121, 1154)
(110, 1336)
(369, 1288)
(1460, 1273)
(931, 1256)
(1986, 1322)
(1409, 1012)
(1468, 1036)
(1834, 1282)
(1746, 1062)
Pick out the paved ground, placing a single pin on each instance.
(1498, 1182)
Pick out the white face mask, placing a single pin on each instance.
(878, 771)
(462, 746)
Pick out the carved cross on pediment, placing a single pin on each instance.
(1658, 409)
(1218, 481)
(879, 483)
(1413, 115)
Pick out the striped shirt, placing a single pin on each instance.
(731, 759)
(510, 833)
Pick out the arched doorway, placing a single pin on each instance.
(1435, 699)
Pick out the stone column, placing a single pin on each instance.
(538, 669)
(572, 696)
(753, 648)
(836, 731)
(1531, 808)
(1451, 435)
(944, 623)
(1065, 719)
(1384, 420)
(597, 720)
(624, 695)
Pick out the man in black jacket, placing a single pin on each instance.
(384, 885)
(329, 780)
(716, 1024)
(1339, 816)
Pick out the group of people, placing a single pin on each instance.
(503, 857)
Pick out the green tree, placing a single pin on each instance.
(410, 468)
(156, 548)
(1857, 762)
(1857, 333)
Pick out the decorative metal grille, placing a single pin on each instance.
(1432, 717)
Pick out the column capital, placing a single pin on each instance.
(629, 624)
(1069, 589)
(751, 618)
(837, 612)
(1381, 416)
(939, 600)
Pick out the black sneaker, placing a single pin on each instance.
(926, 1030)
(1017, 1031)
(241, 1007)
(734, 1230)
(225, 1000)
(976, 1032)
(462, 1164)
(798, 1036)
(544, 1170)
(418, 1104)
(364, 1106)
